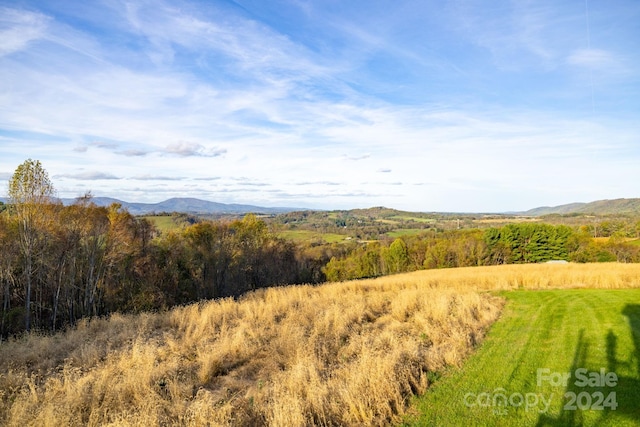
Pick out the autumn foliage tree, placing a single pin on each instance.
(29, 190)
(60, 263)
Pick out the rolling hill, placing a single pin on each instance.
(183, 205)
(188, 205)
(599, 207)
(199, 206)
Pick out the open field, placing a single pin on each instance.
(497, 220)
(409, 217)
(163, 223)
(350, 353)
(406, 232)
(527, 276)
(308, 236)
(514, 378)
(339, 354)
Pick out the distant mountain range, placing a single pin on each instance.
(599, 207)
(204, 207)
(184, 205)
(188, 205)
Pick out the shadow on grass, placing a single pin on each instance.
(626, 391)
(569, 418)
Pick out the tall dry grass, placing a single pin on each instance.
(528, 276)
(340, 354)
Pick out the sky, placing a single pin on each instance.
(426, 105)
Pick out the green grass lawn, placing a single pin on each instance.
(516, 376)
(163, 223)
(412, 218)
(407, 232)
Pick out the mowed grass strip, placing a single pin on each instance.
(558, 332)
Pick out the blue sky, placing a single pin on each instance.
(419, 105)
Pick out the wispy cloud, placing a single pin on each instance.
(332, 183)
(18, 28)
(356, 158)
(256, 184)
(157, 178)
(88, 176)
(106, 145)
(509, 30)
(133, 153)
(188, 149)
(595, 58)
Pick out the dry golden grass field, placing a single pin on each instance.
(348, 353)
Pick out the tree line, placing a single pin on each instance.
(509, 244)
(83, 260)
(59, 263)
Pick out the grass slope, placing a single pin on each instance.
(349, 353)
(340, 354)
(560, 330)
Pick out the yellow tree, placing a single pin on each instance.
(29, 189)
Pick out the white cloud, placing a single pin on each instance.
(188, 149)
(88, 176)
(18, 28)
(594, 58)
(106, 145)
(148, 177)
(318, 183)
(356, 158)
(518, 34)
(212, 31)
(132, 153)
